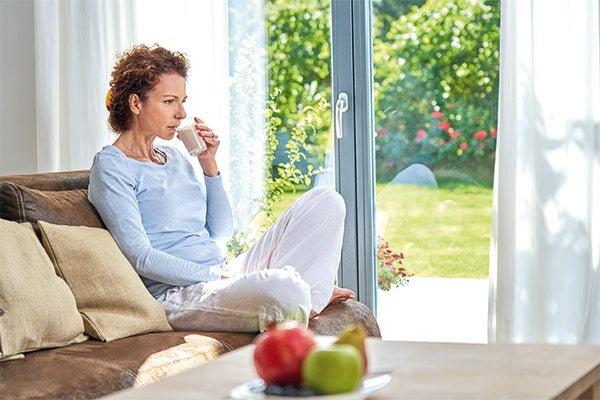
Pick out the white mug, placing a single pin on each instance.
(189, 135)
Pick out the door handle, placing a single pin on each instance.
(341, 106)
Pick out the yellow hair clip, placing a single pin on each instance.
(108, 100)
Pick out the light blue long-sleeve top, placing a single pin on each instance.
(163, 218)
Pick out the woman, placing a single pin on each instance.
(166, 220)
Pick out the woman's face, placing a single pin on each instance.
(162, 110)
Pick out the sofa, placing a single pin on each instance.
(103, 346)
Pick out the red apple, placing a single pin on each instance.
(280, 352)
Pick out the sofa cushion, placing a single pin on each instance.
(64, 207)
(37, 309)
(110, 295)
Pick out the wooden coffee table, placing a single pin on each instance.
(422, 371)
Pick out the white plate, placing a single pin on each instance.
(255, 390)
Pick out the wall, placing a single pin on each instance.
(18, 152)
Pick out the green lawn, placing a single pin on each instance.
(442, 233)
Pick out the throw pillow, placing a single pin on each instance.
(37, 309)
(62, 207)
(110, 296)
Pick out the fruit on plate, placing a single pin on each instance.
(333, 369)
(355, 335)
(280, 352)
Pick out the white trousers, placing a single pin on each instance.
(288, 272)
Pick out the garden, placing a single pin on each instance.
(436, 65)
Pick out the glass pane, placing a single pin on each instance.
(280, 93)
(436, 100)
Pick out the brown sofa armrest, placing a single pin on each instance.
(66, 180)
(61, 207)
(335, 317)
(57, 197)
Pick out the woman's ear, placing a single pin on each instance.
(135, 104)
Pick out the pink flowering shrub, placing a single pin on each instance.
(390, 266)
(450, 141)
(438, 139)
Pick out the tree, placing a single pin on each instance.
(442, 57)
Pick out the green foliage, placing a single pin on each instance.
(442, 57)
(299, 55)
(239, 243)
(388, 11)
(288, 175)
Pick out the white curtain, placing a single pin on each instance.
(545, 252)
(75, 47)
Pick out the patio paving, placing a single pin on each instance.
(435, 310)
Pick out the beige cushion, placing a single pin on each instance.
(37, 309)
(110, 295)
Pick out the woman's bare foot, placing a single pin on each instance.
(339, 295)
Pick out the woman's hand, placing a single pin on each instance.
(207, 157)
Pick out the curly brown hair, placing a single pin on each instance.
(137, 71)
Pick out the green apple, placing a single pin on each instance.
(337, 368)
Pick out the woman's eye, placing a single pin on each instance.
(168, 101)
